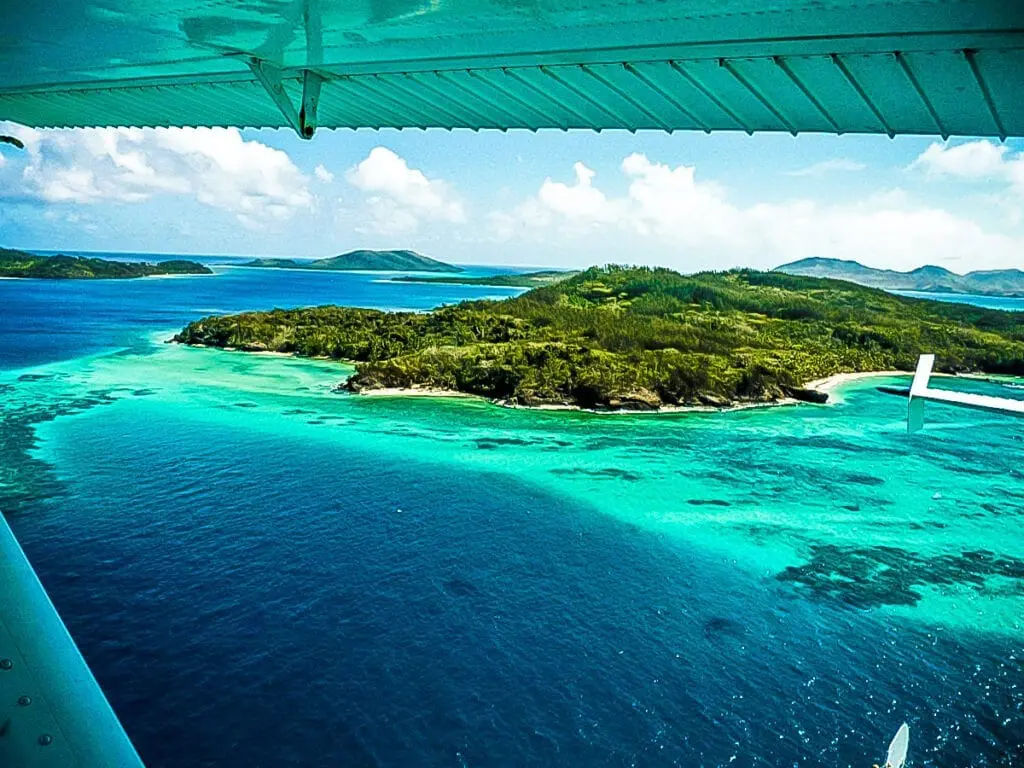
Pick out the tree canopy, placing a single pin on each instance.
(638, 337)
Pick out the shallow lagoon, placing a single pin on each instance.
(262, 571)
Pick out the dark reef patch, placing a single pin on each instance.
(24, 478)
(720, 626)
(999, 510)
(490, 443)
(610, 472)
(862, 479)
(870, 577)
(823, 443)
(459, 587)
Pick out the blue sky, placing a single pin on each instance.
(690, 201)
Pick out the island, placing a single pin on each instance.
(14, 263)
(926, 279)
(363, 261)
(637, 338)
(503, 280)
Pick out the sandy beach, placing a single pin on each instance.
(830, 383)
(414, 392)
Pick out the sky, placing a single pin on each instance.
(689, 201)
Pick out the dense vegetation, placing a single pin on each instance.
(374, 261)
(929, 279)
(20, 264)
(638, 337)
(506, 280)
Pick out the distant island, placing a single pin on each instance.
(504, 280)
(637, 338)
(15, 263)
(927, 279)
(373, 261)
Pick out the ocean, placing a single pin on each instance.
(262, 571)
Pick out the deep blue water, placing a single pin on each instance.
(271, 577)
(287, 606)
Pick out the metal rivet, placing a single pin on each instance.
(45, 740)
(6, 664)
(24, 701)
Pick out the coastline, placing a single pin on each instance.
(416, 392)
(560, 407)
(827, 385)
(836, 380)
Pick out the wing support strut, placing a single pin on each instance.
(920, 392)
(303, 122)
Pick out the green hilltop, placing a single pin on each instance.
(15, 263)
(617, 337)
(363, 260)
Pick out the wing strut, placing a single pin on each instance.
(302, 122)
(920, 392)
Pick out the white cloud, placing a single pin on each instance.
(322, 174)
(581, 202)
(982, 162)
(216, 166)
(973, 160)
(838, 165)
(692, 224)
(403, 198)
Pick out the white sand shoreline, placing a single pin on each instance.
(836, 380)
(416, 392)
(830, 383)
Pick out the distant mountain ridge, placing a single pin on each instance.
(929, 278)
(363, 260)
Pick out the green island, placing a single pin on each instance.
(362, 261)
(15, 263)
(638, 338)
(504, 280)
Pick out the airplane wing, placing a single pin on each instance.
(939, 67)
(52, 712)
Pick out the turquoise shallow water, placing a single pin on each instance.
(262, 571)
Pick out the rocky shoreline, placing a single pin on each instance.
(641, 401)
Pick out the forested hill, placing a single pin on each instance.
(620, 337)
(929, 279)
(370, 261)
(21, 264)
